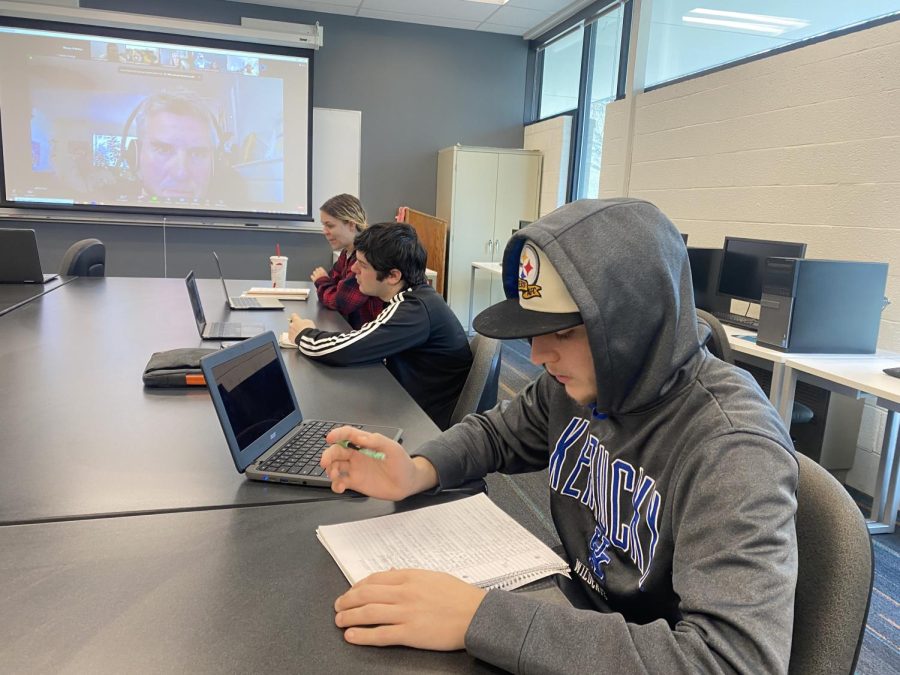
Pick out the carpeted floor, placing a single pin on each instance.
(526, 497)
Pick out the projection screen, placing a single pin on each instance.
(104, 119)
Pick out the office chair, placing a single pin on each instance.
(85, 258)
(479, 393)
(834, 576)
(717, 342)
(718, 345)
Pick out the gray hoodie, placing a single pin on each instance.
(674, 496)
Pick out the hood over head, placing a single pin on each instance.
(624, 273)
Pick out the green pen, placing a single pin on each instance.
(374, 454)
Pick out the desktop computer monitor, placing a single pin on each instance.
(743, 263)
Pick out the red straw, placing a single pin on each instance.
(278, 250)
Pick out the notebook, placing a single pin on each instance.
(19, 259)
(268, 438)
(472, 539)
(216, 330)
(244, 302)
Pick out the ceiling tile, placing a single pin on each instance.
(552, 6)
(517, 16)
(414, 18)
(497, 28)
(333, 6)
(449, 9)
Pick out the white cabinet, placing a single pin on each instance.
(483, 193)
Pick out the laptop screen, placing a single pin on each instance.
(255, 393)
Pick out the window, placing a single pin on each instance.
(690, 36)
(579, 71)
(561, 74)
(602, 88)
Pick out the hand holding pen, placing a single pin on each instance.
(374, 465)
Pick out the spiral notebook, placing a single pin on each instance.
(471, 538)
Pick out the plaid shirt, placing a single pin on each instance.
(340, 292)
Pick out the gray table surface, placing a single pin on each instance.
(244, 590)
(16, 295)
(81, 437)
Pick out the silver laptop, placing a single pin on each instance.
(245, 303)
(216, 330)
(19, 259)
(268, 438)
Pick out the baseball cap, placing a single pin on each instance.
(543, 304)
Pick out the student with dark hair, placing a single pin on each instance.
(343, 217)
(417, 336)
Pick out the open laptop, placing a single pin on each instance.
(266, 433)
(245, 303)
(216, 330)
(19, 259)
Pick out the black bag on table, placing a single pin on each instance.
(176, 368)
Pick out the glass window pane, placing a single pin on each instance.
(603, 83)
(689, 36)
(561, 74)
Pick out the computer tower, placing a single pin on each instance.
(821, 306)
(705, 265)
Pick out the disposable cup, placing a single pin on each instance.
(278, 268)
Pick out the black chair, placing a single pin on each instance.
(718, 345)
(479, 393)
(85, 258)
(717, 341)
(834, 576)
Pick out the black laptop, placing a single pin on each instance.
(19, 259)
(266, 433)
(240, 302)
(218, 330)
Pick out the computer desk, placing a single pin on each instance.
(853, 375)
(859, 376)
(16, 295)
(243, 590)
(80, 437)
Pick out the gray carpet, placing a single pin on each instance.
(526, 497)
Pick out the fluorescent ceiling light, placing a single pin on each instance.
(491, 2)
(757, 23)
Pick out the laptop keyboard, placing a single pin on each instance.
(242, 302)
(300, 455)
(223, 329)
(738, 320)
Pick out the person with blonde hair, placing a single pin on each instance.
(343, 217)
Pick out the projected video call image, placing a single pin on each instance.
(90, 121)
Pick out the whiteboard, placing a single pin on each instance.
(336, 154)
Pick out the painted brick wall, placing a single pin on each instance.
(553, 138)
(800, 146)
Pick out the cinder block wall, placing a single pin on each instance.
(800, 146)
(553, 138)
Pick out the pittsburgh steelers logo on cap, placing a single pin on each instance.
(529, 270)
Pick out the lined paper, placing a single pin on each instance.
(471, 538)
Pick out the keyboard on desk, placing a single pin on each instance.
(738, 320)
(242, 302)
(300, 455)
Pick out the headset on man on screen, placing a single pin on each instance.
(129, 156)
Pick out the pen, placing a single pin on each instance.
(374, 454)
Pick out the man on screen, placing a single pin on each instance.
(177, 139)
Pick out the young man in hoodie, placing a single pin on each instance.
(672, 479)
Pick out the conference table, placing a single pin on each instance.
(129, 542)
(16, 295)
(80, 437)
